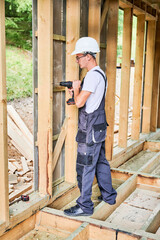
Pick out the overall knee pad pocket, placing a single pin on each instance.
(84, 159)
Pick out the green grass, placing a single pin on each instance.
(18, 73)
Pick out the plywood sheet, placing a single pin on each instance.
(136, 209)
(136, 162)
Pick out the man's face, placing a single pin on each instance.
(81, 59)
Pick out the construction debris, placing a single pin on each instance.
(20, 170)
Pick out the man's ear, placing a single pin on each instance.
(89, 57)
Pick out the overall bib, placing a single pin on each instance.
(91, 159)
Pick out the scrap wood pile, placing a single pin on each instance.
(21, 170)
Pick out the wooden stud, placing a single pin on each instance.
(125, 77)
(148, 76)
(72, 72)
(104, 13)
(111, 58)
(156, 80)
(137, 95)
(59, 144)
(94, 22)
(45, 94)
(4, 192)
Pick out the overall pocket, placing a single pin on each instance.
(84, 159)
(81, 136)
(99, 132)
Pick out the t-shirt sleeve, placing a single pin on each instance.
(91, 82)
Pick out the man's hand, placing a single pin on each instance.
(76, 84)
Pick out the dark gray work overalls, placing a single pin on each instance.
(91, 158)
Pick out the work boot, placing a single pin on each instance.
(75, 211)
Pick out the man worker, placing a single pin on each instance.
(90, 99)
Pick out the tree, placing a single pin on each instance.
(19, 23)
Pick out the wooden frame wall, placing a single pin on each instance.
(4, 198)
(44, 87)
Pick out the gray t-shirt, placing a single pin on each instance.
(95, 84)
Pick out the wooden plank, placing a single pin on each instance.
(125, 77)
(129, 152)
(111, 58)
(94, 22)
(72, 72)
(151, 164)
(152, 146)
(137, 95)
(104, 13)
(97, 231)
(20, 230)
(19, 192)
(45, 94)
(35, 91)
(156, 79)
(80, 233)
(4, 206)
(19, 140)
(153, 222)
(59, 144)
(46, 218)
(66, 198)
(20, 124)
(148, 76)
(103, 210)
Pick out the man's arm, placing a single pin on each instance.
(80, 97)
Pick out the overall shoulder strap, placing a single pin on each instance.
(104, 77)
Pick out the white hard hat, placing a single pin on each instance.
(86, 44)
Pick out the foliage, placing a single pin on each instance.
(19, 23)
(19, 73)
(120, 36)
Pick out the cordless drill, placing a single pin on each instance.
(68, 84)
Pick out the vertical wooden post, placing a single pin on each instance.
(4, 200)
(125, 77)
(158, 117)
(72, 72)
(111, 59)
(148, 76)
(94, 22)
(137, 94)
(35, 86)
(156, 76)
(45, 94)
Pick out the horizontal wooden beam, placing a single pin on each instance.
(140, 7)
(103, 210)
(152, 146)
